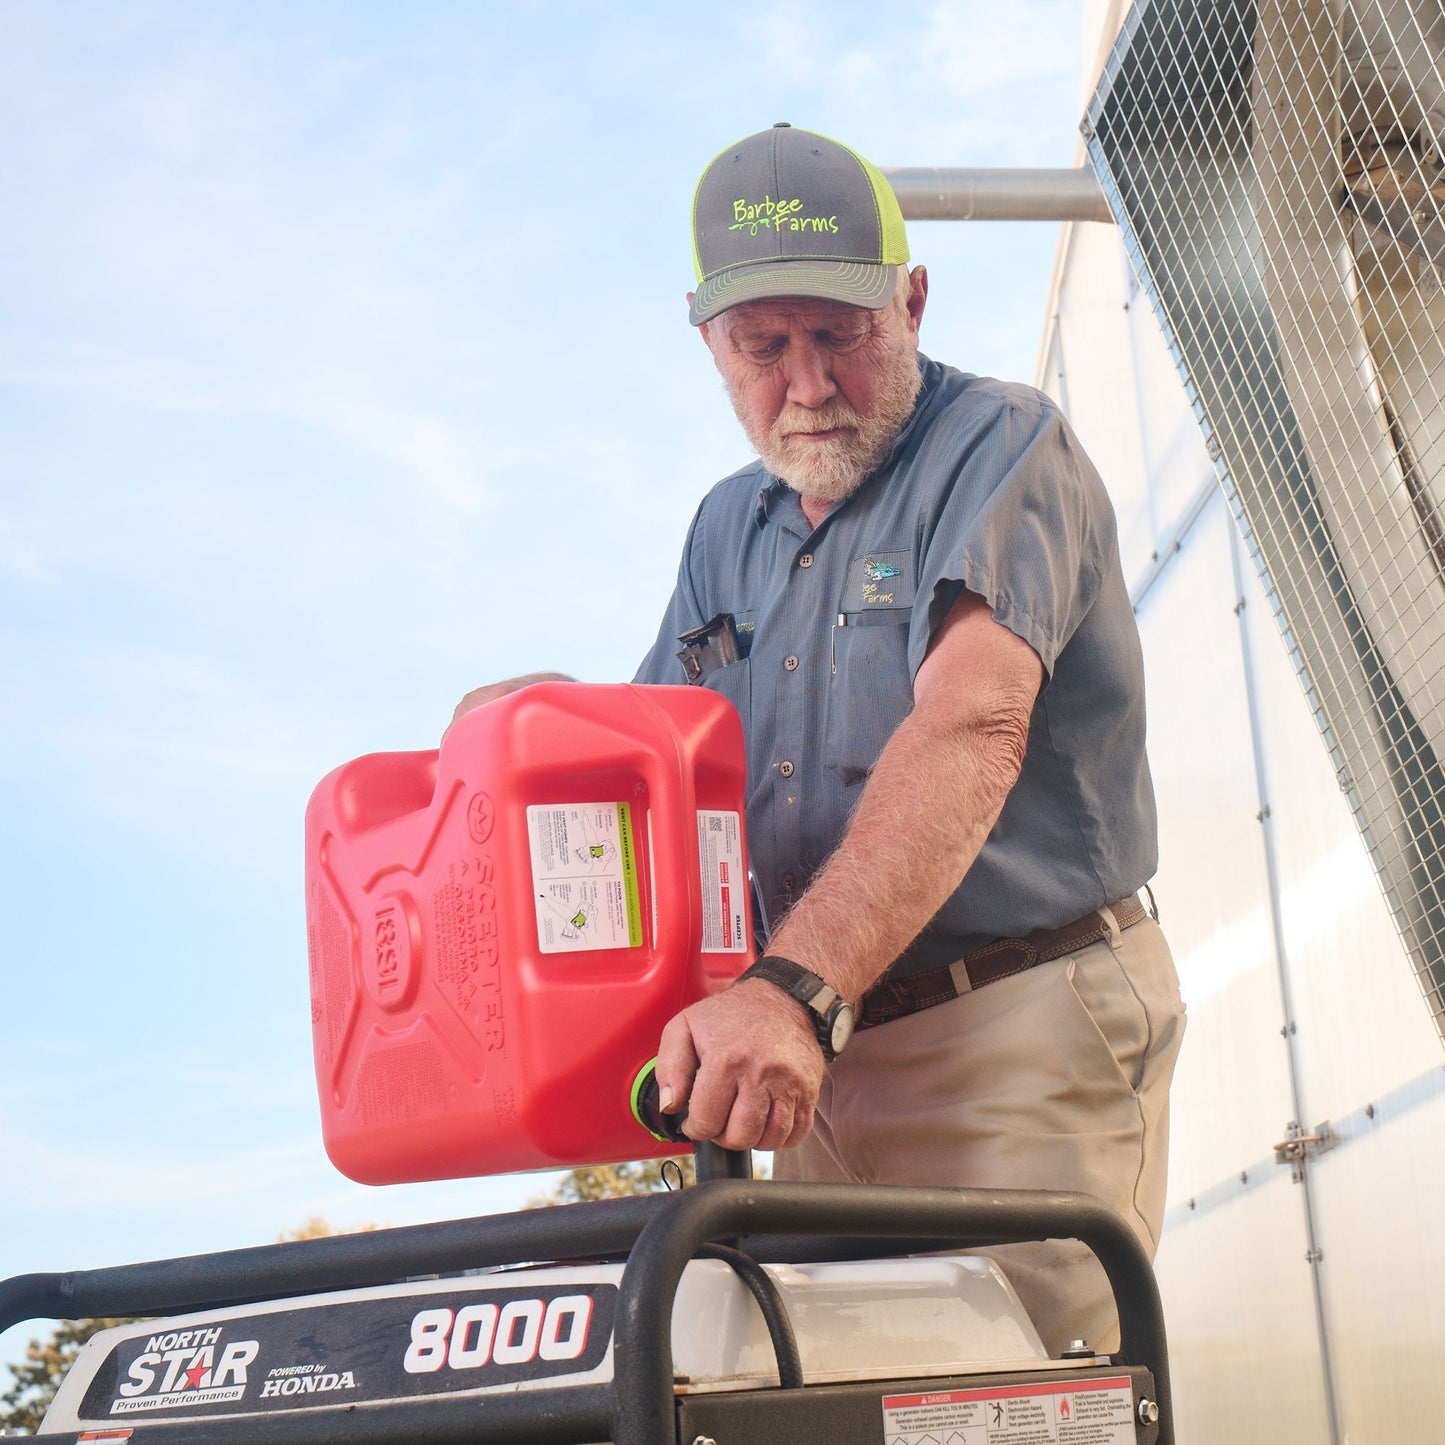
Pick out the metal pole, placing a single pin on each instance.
(937, 193)
(1272, 873)
(712, 1161)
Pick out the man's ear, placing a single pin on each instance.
(703, 328)
(917, 295)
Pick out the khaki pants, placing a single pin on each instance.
(1057, 1078)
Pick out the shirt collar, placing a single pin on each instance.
(779, 502)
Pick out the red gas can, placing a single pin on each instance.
(499, 931)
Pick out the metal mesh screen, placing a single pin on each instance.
(1278, 171)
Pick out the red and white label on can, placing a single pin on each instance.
(1052, 1412)
(724, 884)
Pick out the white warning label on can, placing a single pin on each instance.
(1053, 1412)
(584, 876)
(724, 884)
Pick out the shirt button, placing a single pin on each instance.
(806, 560)
(786, 769)
(789, 882)
(790, 663)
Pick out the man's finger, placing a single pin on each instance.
(710, 1108)
(734, 1123)
(800, 1125)
(778, 1128)
(677, 1063)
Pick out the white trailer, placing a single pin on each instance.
(1253, 356)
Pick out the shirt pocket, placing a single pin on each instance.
(870, 689)
(735, 683)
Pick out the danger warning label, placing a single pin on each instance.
(1057, 1412)
(724, 883)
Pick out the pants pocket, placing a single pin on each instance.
(1110, 1001)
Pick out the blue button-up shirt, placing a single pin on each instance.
(987, 489)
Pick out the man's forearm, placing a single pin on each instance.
(933, 797)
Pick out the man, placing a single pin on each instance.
(914, 598)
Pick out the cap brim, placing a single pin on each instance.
(855, 283)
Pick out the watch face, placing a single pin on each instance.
(842, 1027)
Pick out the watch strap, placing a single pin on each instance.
(815, 994)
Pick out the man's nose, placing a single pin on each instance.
(810, 375)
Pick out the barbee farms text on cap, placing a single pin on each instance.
(780, 215)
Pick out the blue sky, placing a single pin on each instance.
(344, 365)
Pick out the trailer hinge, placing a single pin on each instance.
(1298, 1146)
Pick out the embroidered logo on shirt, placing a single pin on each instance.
(879, 581)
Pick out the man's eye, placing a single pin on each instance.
(763, 350)
(841, 340)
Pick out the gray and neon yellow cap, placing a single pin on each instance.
(790, 213)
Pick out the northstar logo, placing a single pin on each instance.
(183, 1368)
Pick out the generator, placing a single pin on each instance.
(498, 930)
(734, 1311)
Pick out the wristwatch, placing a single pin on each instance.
(831, 1013)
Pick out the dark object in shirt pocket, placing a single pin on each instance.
(709, 648)
(715, 656)
(870, 690)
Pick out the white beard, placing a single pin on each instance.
(833, 469)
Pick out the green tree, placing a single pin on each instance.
(318, 1228)
(617, 1181)
(46, 1361)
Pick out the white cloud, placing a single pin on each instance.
(154, 382)
(962, 49)
(983, 47)
(67, 1175)
(23, 559)
(784, 46)
(428, 449)
(941, 87)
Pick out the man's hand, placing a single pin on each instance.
(747, 1064)
(479, 696)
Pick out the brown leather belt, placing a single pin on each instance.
(893, 998)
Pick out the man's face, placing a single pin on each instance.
(821, 388)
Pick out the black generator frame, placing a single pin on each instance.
(657, 1235)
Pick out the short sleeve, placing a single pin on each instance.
(1023, 521)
